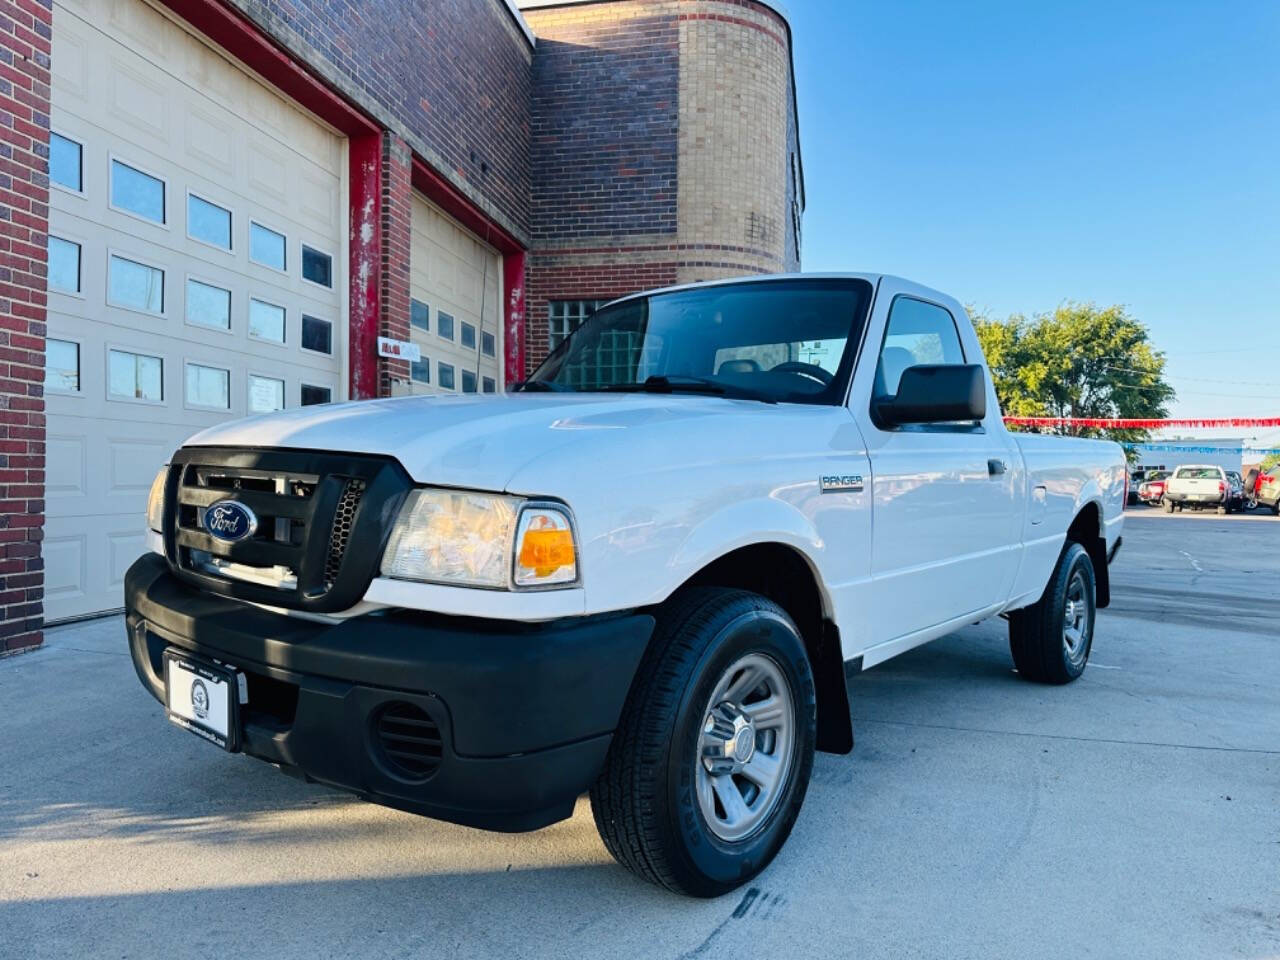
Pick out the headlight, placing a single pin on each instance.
(155, 501)
(480, 540)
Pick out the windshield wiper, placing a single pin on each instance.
(541, 386)
(687, 383)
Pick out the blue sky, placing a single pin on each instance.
(1020, 154)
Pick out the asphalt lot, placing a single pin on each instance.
(1135, 813)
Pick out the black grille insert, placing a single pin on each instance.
(344, 518)
(408, 740)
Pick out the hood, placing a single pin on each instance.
(477, 440)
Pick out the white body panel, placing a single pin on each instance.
(660, 486)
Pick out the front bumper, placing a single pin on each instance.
(525, 712)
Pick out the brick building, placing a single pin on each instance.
(213, 208)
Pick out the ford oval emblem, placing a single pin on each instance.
(229, 520)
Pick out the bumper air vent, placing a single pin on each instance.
(408, 741)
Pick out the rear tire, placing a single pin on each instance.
(1168, 506)
(1051, 639)
(711, 759)
(1222, 510)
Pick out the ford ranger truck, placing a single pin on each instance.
(642, 574)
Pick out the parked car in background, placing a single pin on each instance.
(1198, 486)
(1151, 490)
(1267, 489)
(1235, 484)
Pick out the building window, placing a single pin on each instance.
(134, 285)
(468, 382)
(446, 376)
(208, 386)
(266, 246)
(135, 376)
(317, 334)
(317, 267)
(444, 324)
(208, 306)
(266, 394)
(66, 162)
(266, 321)
(468, 336)
(314, 395)
(420, 370)
(64, 265)
(136, 192)
(208, 222)
(419, 315)
(487, 344)
(565, 316)
(489, 385)
(62, 365)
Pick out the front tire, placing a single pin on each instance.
(712, 756)
(1051, 640)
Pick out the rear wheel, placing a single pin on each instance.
(1222, 509)
(711, 759)
(1168, 506)
(1050, 640)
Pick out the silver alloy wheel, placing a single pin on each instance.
(746, 747)
(1075, 625)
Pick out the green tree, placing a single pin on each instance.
(1078, 361)
(1270, 460)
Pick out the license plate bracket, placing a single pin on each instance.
(203, 697)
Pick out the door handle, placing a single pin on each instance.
(995, 467)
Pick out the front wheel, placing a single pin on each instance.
(1051, 639)
(711, 759)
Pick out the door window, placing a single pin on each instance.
(918, 333)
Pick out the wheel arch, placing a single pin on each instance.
(1086, 530)
(788, 577)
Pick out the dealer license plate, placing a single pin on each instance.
(203, 697)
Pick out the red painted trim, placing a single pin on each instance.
(447, 197)
(513, 282)
(241, 38)
(365, 242)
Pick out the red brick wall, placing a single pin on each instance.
(396, 217)
(25, 29)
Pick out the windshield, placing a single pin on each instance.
(778, 340)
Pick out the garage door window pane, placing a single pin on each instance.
(317, 267)
(265, 394)
(64, 265)
(137, 192)
(313, 395)
(266, 246)
(208, 222)
(208, 386)
(61, 365)
(468, 382)
(208, 305)
(317, 334)
(468, 335)
(487, 346)
(65, 162)
(135, 285)
(420, 370)
(135, 375)
(419, 315)
(266, 321)
(444, 325)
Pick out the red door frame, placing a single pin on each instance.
(241, 38)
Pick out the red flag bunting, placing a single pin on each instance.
(1110, 423)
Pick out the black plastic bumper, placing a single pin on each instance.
(525, 711)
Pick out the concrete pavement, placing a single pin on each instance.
(1135, 813)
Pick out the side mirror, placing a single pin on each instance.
(936, 393)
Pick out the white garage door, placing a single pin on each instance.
(455, 283)
(196, 272)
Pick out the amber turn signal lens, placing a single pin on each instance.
(546, 550)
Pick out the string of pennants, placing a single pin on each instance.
(1124, 423)
(1193, 448)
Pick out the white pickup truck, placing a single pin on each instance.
(642, 574)
(1198, 486)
